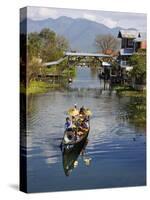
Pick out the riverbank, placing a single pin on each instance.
(40, 85)
(37, 87)
(129, 91)
(62, 70)
(136, 109)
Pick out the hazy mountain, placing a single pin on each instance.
(80, 32)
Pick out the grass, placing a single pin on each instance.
(136, 108)
(71, 71)
(137, 114)
(129, 91)
(37, 87)
(51, 70)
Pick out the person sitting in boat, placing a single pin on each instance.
(74, 122)
(76, 109)
(73, 111)
(68, 124)
(82, 111)
(84, 126)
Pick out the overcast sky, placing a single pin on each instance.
(110, 19)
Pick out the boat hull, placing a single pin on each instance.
(74, 145)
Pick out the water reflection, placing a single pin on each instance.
(86, 78)
(133, 111)
(70, 157)
(94, 72)
(114, 144)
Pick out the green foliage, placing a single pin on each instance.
(61, 43)
(136, 107)
(47, 36)
(36, 87)
(128, 91)
(120, 88)
(33, 69)
(51, 70)
(42, 47)
(34, 45)
(53, 46)
(137, 110)
(138, 61)
(49, 50)
(69, 72)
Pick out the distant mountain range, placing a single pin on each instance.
(80, 32)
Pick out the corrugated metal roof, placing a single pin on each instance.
(128, 34)
(133, 34)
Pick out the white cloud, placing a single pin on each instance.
(109, 22)
(42, 13)
(101, 19)
(89, 16)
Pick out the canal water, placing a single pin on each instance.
(116, 148)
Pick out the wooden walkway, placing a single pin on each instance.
(76, 54)
(87, 54)
(54, 62)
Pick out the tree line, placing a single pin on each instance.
(46, 45)
(42, 47)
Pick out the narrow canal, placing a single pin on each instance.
(116, 148)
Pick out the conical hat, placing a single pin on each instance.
(73, 112)
(88, 112)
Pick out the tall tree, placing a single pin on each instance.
(34, 45)
(61, 43)
(106, 42)
(138, 61)
(53, 45)
(48, 39)
(43, 47)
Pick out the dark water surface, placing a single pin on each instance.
(117, 148)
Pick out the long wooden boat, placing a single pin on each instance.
(71, 142)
